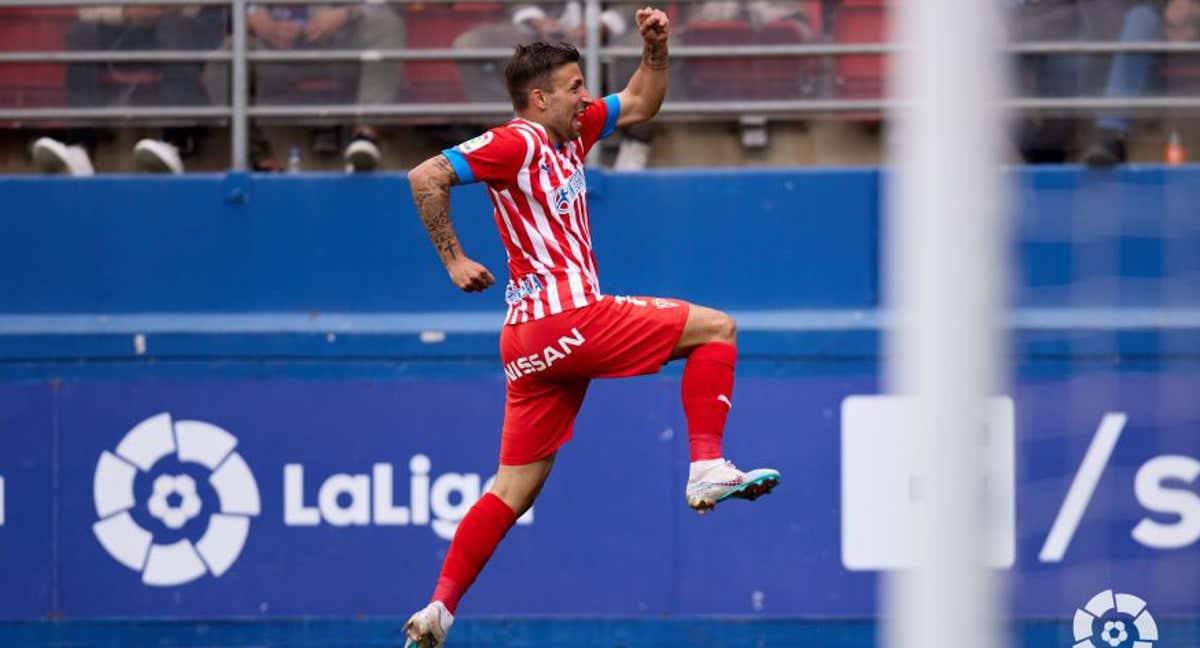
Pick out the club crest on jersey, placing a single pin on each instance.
(574, 187)
(475, 143)
(518, 290)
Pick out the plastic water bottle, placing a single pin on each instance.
(1175, 153)
(293, 163)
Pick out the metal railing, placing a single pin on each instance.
(239, 56)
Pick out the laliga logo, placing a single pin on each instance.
(365, 499)
(186, 468)
(1109, 621)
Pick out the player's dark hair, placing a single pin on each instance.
(530, 67)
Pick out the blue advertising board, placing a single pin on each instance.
(258, 397)
(356, 487)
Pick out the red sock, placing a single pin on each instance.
(707, 377)
(478, 534)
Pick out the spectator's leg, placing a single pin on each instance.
(216, 77)
(483, 81)
(1132, 72)
(275, 83)
(84, 89)
(635, 147)
(1130, 76)
(380, 27)
(1051, 140)
(181, 81)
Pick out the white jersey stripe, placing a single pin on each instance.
(543, 226)
(538, 266)
(573, 164)
(542, 262)
(541, 210)
(502, 203)
(571, 232)
(543, 254)
(574, 236)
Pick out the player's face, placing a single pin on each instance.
(566, 101)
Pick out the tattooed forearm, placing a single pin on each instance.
(431, 190)
(654, 56)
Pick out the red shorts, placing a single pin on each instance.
(548, 364)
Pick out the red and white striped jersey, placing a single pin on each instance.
(539, 195)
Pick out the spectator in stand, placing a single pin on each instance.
(757, 13)
(1134, 73)
(297, 27)
(352, 27)
(91, 85)
(483, 81)
(635, 142)
(1051, 139)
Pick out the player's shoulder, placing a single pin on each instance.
(504, 136)
(523, 130)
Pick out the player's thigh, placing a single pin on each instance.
(539, 417)
(632, 336)
(704, 325)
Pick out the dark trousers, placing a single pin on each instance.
(92, 85)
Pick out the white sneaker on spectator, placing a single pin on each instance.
(157, 156)
(52, 156)
(361, 155)
(632, 155)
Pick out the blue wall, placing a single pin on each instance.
(294, 308)
(332, 243)
(740, 239)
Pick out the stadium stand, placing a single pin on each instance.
(22, 29)
(783, 77)
(860, 76)
(436, 26)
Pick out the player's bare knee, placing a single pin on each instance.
(724, 329)
(517, 498)
(518, 489)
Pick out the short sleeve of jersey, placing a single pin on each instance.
(495, 156)
(599, 120)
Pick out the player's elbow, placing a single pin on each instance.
(638, 105)
(417, 177)
(637, 115)
(435, 172)
(421, 173)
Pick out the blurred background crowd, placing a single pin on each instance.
(358, 87)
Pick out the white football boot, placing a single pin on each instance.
(723, 481)
(428, 627)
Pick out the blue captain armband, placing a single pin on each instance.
(613, 102)
(459, 162)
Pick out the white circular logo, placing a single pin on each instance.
(192, 483)
(1115, 621)
(476, 143)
